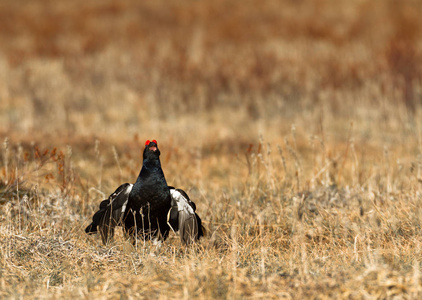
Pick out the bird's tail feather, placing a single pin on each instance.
(201, 228)
(188, 227)
(96, 219)
(92, 228)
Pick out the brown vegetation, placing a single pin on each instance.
(293, 125)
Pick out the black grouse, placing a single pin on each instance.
(149, 208)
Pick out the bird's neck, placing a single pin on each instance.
(150, 164)
(150, 173)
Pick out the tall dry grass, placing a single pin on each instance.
(293, 125)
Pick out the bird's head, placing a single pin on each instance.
(151, 149)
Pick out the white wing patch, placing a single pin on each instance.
(127, 191)
(187, 224)
(182, 202)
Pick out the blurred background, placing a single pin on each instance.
(208, 71)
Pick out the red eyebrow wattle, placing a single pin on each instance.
(147, 143)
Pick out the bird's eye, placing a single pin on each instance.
(155, 141)
(147, 143)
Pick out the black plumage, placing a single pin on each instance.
(147, 208)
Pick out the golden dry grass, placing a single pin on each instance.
(293, 125)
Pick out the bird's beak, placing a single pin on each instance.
(153, 148)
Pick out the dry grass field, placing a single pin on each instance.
(295, 126)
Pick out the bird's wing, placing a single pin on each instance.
(182, 217)
(112, 211)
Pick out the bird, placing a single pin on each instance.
(149, 208)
